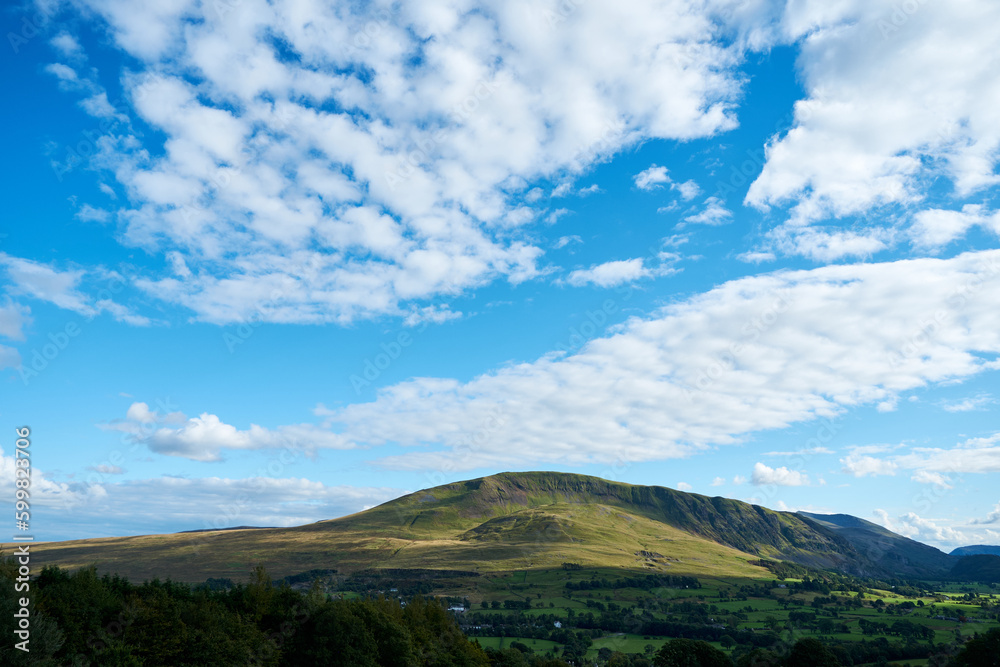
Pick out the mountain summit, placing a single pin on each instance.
(518, 520)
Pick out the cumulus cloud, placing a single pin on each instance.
(719, 481)
(205, 437)
(688, 189)
(614, 273)
(763, 475)
(753, 354)
(684, 486)
(652, 178)
(390, 160)
(866, 136)
(933, 229)
(714, 213)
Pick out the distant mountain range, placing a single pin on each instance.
(514, 521)
(976, 549)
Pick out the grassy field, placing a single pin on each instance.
(774, 605)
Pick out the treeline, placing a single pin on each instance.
(81, 619)
(646, 583)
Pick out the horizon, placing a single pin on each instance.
(264, 265)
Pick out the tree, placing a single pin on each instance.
(727, 641)
(690, 653)
(811, 652)
(981, 651)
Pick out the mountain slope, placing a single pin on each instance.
(891, 553)
(505, 522)
(749, 528)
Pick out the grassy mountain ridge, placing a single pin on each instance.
(748, 528)
(504, 522)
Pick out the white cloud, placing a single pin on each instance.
(931, 465)
(739, 479)
(810, 451)
(719, 481)
(764, 475)
(975, 455)
(992, 517)
(688, 189)
(107, 469)
(652, 178)
(63, 288)
(45, 493)
(867, 136)
(753, 354)
(756, 256)
(169, 504)
(9, 357)
(13, 318)
(66, 75)
(48, 284)
(438, 118)
(88, 213)
(684, 486)
(929, 531)
(566, 240)
(863, 466)
(204, 438)
(714, 213)
(824, 245)
(969, 404)
(935, 478)
(933, 229)
(66, 44)
(612, 274)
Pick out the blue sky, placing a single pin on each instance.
(265, 264)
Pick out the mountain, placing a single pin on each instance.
(977, 567)
(515, 521)
(889, 552)
(976, 549)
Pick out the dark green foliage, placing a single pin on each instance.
(811, 652)
(982, 651)
(979, 567)
(84, 620)
(691, 653)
